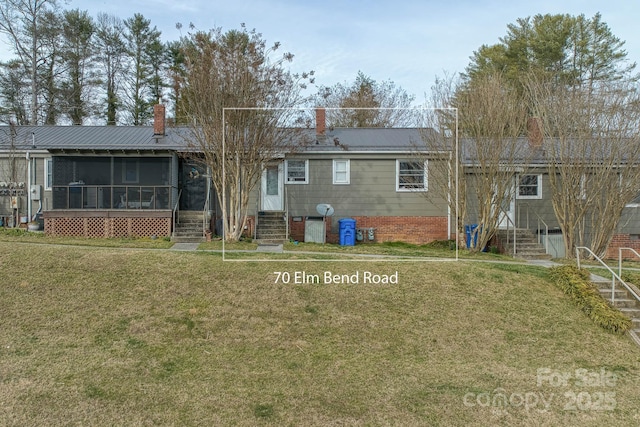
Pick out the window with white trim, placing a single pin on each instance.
(411, 175)
(529, 187)
(296, 171)
(341, 171)
(48, 174)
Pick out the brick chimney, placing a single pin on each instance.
(534, 131)
(159, 120)
(321, 121)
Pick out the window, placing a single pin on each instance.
(529, 187)
(341, 172)
(411, 175)
(297, 171)
(48, 174)
(130, 171)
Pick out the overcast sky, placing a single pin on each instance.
(407, 41)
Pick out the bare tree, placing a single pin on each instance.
(366, 103)
(440, 134)
(592, 144)
(241, 105)
(491, 120)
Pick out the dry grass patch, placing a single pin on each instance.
(108, 337)
(23, 236)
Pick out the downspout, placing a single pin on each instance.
(29, 203)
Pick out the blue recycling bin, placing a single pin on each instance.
(347, 230)
(470, 233)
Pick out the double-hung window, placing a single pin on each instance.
(529, 187)
(297, 171)
(411, 175)
(341, 172)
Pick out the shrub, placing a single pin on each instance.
(576, 284)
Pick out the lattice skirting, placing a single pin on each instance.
(107, 227)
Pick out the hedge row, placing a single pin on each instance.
(576, 284)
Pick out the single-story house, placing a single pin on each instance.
(98, 181)
(377, 176)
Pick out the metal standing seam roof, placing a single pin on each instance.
(370, 139)
(142, 138)
(92, 138)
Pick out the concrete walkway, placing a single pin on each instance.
(184, 246)
(273, 248)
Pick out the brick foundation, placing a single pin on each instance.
(409, 229)
(623, 241)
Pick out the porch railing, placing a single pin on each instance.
(82, 196)
(510, 222)
(175, 212)
(205, 212)
(286, 213)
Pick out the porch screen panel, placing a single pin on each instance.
(194, 186)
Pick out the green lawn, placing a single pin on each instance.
(102, 336)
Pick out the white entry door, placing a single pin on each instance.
(507, 217)
(273, 188)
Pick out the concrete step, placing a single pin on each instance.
(182, 239)
(624, 303)
(270, 241)
(271, 236)
(527, 246)
(188, 232)
(618, 294)
(631, 312)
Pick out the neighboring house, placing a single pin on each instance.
(530, 206)
(97, 181)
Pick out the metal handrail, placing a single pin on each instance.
(286, 213)
(620, 258)
(614, 276)
(257, 213)
(175, 212)
(205, 210)
(546, 227)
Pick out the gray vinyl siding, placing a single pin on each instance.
(527, 210)
(630, 220)
(371, 191)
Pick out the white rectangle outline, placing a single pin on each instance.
(357, 257)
